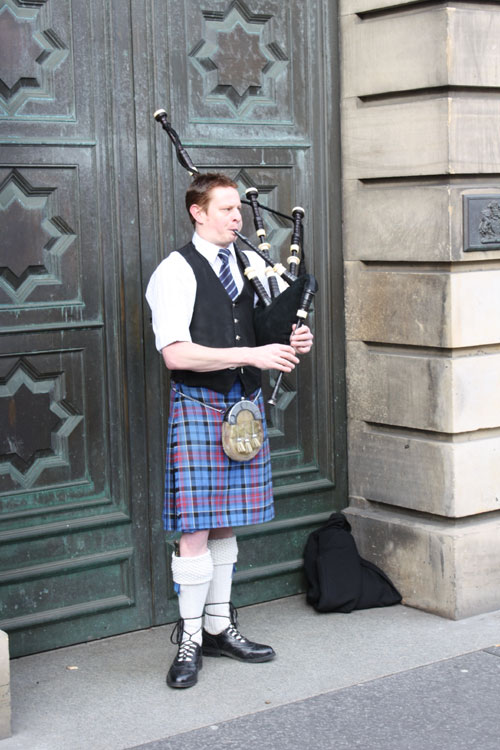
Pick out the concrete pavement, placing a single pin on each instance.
(392, 678)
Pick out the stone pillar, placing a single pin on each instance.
(5, 730)
(421, 185)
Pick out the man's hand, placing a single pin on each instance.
(273, 357)
(301, 339)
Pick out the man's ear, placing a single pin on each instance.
(197, 213)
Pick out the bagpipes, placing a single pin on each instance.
(276, 313)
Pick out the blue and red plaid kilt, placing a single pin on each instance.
(204, 489)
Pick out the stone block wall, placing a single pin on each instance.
(420, 144)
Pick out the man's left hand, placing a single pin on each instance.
(301, 339)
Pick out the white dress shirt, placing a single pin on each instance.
(171, 291)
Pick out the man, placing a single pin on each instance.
(202, 310)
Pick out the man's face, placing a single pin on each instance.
(221, 217)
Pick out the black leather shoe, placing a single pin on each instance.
(184, 670)
(231, 643)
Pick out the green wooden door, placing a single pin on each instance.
(74, 536)
(251, 87)
(90, 201)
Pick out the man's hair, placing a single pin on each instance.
(198, 193)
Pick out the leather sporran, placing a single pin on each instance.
(242, 431)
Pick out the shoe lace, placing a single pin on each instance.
(233, 632)
(184, 640)
(233, 612)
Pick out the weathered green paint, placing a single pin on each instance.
(92, 199)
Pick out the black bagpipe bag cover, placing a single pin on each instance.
(273, 324)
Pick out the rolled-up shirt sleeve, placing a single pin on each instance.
(170, 294)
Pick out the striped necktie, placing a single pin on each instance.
(225, 274)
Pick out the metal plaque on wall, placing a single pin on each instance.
(481, 222)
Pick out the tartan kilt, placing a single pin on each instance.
(204, 489)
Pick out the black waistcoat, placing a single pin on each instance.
(221, 323)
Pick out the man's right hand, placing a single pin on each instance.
(273, 357)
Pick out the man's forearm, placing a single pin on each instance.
(184, 355)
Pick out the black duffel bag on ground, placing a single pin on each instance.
(338, 579)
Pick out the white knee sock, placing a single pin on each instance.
(224, 554)
(193, 574)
